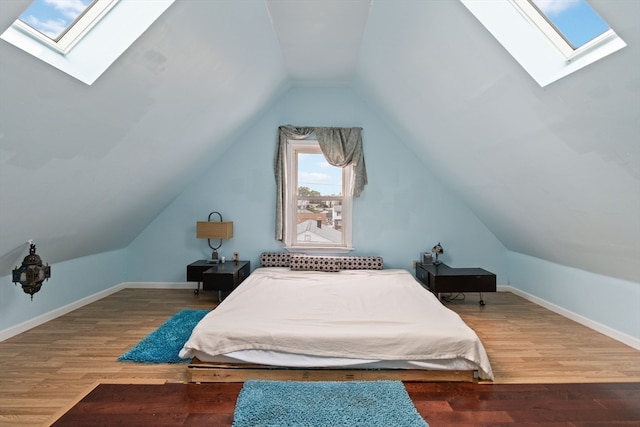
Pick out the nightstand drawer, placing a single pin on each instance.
(423, 275)
(466, 283)
(226, 276)
(195, 270)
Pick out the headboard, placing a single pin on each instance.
(320, 263)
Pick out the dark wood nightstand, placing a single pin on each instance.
(225, 276)
(442, 278)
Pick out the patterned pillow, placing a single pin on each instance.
(362, 263)
(275, 259)
(315, 263)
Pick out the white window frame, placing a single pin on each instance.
(538, 19)
(531, 47)
(75, 32)
(93, 53)
(295, 147)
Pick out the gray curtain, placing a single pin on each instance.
(340, 146)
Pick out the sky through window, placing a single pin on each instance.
(573, 19)
(317, 174)
(54, 17)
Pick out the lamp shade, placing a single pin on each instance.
(214, 229)
(438, 249)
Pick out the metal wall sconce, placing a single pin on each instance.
(32, 272)
(214, 230)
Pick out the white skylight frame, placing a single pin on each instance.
(99, 47)
(90, 17)
(555, 37)
(531, 47)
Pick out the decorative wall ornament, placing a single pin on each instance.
(32, 272)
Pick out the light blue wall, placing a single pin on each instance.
(70, 281)
(612, 302)
(402, 211)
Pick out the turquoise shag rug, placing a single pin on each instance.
(164, 344)
(325, 403)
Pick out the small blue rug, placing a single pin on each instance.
(325, 403)
(164, 344)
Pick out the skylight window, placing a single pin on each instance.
(60, 24)
(82, 37)
(575, 20)
(571, 25)
(550, 39)
(53, 19)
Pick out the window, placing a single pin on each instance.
(570, 25)
(318, 208)
(59, 25)
(538, 34)
(313, 210)
(78, 44)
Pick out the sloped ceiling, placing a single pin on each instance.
(554, 172)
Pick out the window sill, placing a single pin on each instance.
(319, 250)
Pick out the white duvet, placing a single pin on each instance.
(381, 315)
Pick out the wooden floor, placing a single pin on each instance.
(46, 368)
(440, 404)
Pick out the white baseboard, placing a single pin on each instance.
(44, 318)
(159, 285)
(599, 327)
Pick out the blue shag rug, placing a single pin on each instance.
(164, 344)
(325, 403)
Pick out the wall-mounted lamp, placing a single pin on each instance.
(437, 249)
(32, 272)
(214, 230)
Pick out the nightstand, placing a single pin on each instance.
(442, 278)
(224, 276)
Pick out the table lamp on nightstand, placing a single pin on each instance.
(214, 230)
(437, 249)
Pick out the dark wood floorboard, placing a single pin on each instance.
(440, 404)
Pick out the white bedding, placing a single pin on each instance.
(368, 317)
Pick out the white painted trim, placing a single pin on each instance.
(598, 327)
(323, 251)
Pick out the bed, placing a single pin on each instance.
(334, 320)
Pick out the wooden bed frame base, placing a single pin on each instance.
(206, 372)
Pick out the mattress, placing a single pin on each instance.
(351, 318)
